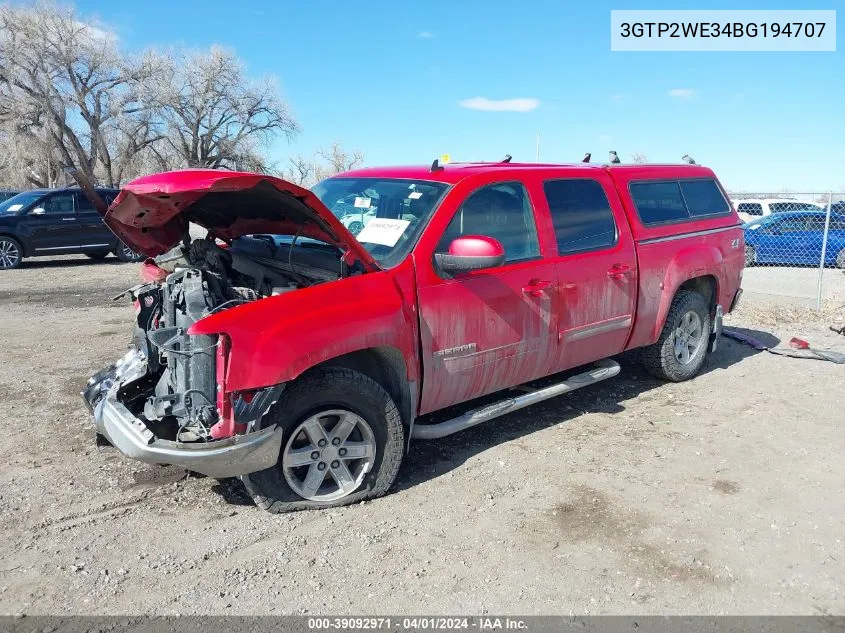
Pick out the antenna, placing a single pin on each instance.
(586, 158)
(537, 158)
(507, 158)
(436, 165)
(688, 159)
(614, 158)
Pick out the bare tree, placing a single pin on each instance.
(639, 158)
(339, 160)
(216, 117)
(301, 171)
(326, 163)
(66, 80)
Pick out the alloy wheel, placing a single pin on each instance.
(688, 338)
(10, 254)
(328, 455)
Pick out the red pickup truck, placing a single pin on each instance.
(307, 337)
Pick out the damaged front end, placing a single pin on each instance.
(165, 401)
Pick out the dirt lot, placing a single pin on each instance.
(721, 495)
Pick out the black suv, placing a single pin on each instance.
(45, 222)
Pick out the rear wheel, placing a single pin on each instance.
(11, 253)
(750, 256)
(681, 349)
(126, 254)
(343, 440)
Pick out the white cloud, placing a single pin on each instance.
(98, 31)
(500, 105)
(426, 35)
(683, 94)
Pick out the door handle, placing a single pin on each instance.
(619, 271)
(68, 219)
(536, 287)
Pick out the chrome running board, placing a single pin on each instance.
(602, 370)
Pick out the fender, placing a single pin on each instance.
(658, 284)
(276, 339)
(688, 263)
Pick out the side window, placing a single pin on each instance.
(816, 223)
(501, 211)
(59, 204)
(82, 202)
(751, 208)
(703, 197)
(659, 202)
(581, 215)
(780, 207)
(792, 225)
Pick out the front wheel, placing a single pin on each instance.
(681, 349)
(126, 254)
(343, 440)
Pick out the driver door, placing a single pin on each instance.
(487, 330)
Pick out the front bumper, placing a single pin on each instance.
(230, 457)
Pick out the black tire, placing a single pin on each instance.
(96, 256)
(11, 253)
(125, 254)
(660, 359)
(323, 390)
(750, 256)
(840, 259)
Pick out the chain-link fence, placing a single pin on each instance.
(794, 245)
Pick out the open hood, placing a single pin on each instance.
(152, 214)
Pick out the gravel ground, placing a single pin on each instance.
(720, 495)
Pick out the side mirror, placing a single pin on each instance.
(471, 252)
(37, 211)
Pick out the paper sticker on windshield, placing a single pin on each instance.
(415, 195)
(384, 231)
(16, 207)
(362, 203)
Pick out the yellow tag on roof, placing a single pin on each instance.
(444, 159)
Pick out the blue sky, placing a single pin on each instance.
(388, 77)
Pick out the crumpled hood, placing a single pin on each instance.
(152, 214)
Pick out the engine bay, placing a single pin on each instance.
(177, 398)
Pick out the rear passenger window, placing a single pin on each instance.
(581, 215)
(659, 202)
(678, 200)
(703, 197)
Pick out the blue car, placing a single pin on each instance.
(795, 238)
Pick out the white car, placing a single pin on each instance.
(754, 208)
(356, 220)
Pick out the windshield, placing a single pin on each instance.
(18, 202)
(385, 214)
